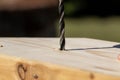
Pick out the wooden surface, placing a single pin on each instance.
(40, 59)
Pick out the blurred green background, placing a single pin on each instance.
(93, 19)
(98, 19)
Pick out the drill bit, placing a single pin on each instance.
(62, 25)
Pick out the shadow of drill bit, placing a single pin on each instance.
(115, 46)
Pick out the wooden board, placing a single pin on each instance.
(40, 59)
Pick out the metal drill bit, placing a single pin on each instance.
(62, 25)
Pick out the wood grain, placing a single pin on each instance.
(40, 59)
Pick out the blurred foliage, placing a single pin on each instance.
(94, 27)
(100, 8)
(71, 7)
(98, 19)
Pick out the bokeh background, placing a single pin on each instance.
(99, 19)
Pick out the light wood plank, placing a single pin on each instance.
(85, 59)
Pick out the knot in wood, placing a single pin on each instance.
(22, 71)
(35, 76)
(1, 45)
(92, 76)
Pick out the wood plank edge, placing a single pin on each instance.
(21, 69)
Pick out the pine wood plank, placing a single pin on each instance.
(85, 59)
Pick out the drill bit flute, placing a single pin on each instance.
(62, 25)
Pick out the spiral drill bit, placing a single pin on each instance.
(62, 25)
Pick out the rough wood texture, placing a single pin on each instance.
(40, 59)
